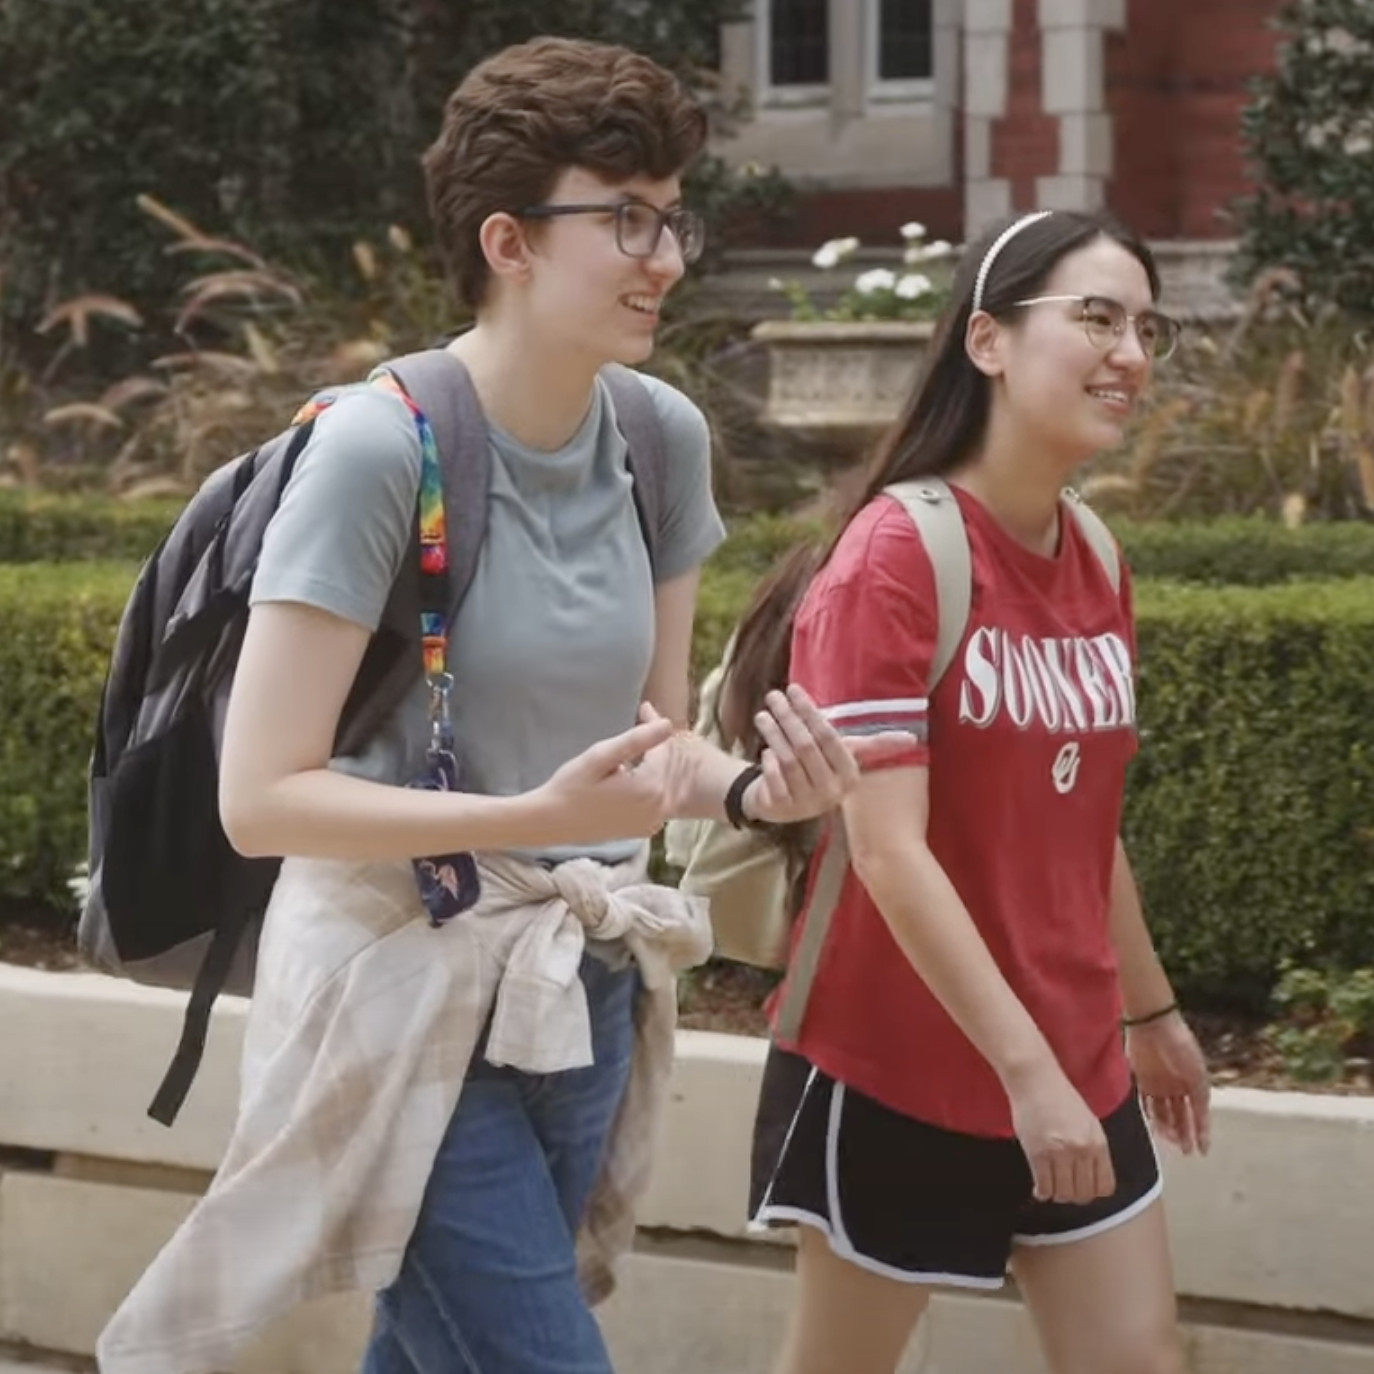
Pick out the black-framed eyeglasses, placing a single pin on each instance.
(638, 225)
(1105, 321)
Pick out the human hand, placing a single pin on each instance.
(1175, 1088)
(808, 766)
(1064, 1142)
(622, 787)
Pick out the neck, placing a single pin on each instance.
(1019, 485)
(535, 392)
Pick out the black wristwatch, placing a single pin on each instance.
(734, 800)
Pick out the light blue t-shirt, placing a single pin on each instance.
(552, 646)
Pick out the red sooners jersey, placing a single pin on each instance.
(1026, 737)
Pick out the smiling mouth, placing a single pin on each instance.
(1113, 396)
(644, 305)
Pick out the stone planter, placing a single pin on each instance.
(839, 385)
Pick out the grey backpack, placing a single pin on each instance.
(170, 902)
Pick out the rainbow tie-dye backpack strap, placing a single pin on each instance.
(448, 883)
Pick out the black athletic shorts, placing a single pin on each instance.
(913, 1201)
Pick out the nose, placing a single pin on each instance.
(1128, 350)
(667, 264)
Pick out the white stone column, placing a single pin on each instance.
(987, 54)
(947, 19)
(1073, 83)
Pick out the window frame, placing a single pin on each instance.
(907, 90)
(771, 96)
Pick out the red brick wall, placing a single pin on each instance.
(1176, 84)
(1025, 141)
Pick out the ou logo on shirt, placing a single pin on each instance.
(1064, 773)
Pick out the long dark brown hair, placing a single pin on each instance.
(939, 428)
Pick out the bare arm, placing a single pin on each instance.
(885, 818)
(808, 767)
(1144, 984)
(278, 795)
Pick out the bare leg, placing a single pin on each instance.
(847, 1320)
(1105, 1305)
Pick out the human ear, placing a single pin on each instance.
(505, 246)
(983, 342)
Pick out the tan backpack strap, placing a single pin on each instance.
(934, 511)
(806, 960)
(932, 507)
(1099, 537)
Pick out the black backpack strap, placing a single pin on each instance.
(195, 1025)
(638, 421)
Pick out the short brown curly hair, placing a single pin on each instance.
(524, 116)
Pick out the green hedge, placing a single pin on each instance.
(57, 626)
(38, 526)
(1250, 811)
(1231, 552)
(1234, 552)
(1246, 552)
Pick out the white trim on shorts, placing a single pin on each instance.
(1116, 1219)
(837, 1237)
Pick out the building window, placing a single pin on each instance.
(798, 43)
(891, 55)
(904, 48)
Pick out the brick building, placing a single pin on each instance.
(955, 111)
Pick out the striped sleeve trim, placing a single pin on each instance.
(909, 714)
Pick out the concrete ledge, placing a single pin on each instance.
(1271, 1232)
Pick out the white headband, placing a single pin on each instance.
(999, 243)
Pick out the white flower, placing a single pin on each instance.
(877, 279)
(926, 252)
(835, 252)
(913, 286)
(79, 884)
(913, 231)
(776, 284)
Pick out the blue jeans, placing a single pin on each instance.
(489, 1284)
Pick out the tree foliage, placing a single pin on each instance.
(291, 125)
(1309, 131)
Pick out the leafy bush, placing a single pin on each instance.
(1309, 131)
(57, 627)
(298, 127)
(1248, 811)
(1249, 807)
(1249, 551)
(36, 527)
(1326, 1018)
(279, 112)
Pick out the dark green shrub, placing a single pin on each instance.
(1240, 551)
(1246, 551)
(1309, 131)
(57, 626)
(1250, 808)
(263, 118)
(62, 529)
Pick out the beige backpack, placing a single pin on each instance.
(744, 875)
